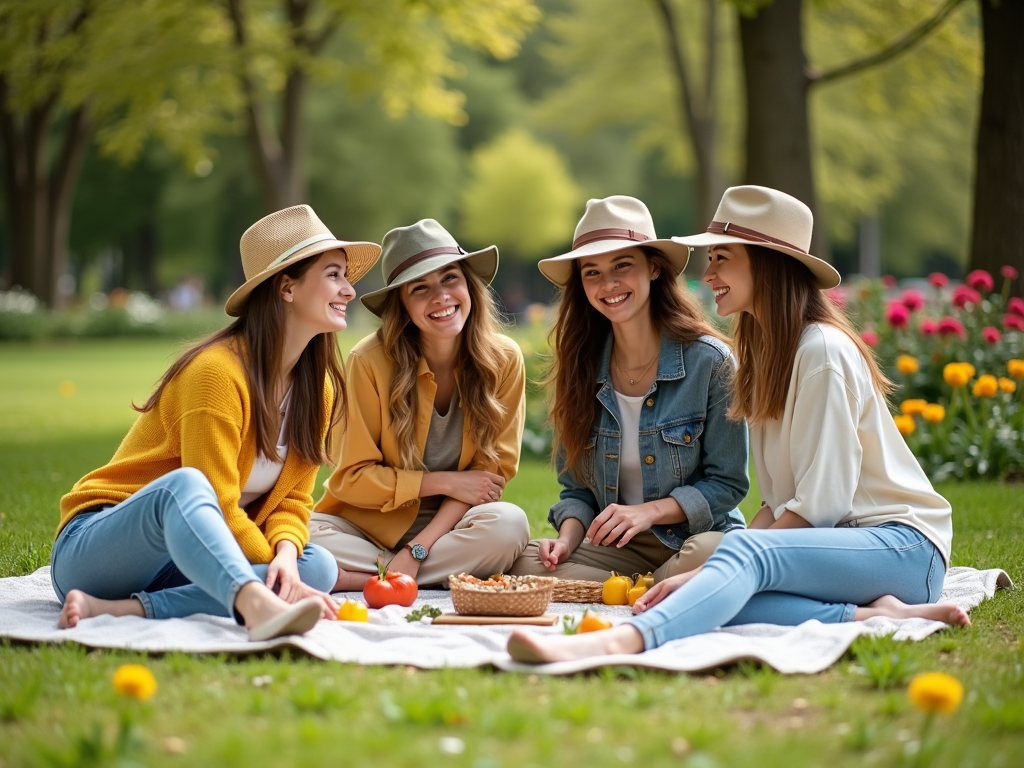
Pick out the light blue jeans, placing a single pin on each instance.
(791, 576)
(168, 546)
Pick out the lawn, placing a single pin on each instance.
(63, 410)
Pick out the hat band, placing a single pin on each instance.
(728, 228)
(611, 233)
(296, 248)
(417, 258)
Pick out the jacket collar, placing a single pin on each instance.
(670, 361)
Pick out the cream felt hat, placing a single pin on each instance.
(762, 216)
(419, 249)
(277, 241)
(612, 224)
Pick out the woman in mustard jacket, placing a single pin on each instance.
(433, 425)
(204, 507)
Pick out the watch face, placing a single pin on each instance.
(419, 552)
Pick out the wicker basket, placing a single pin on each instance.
(529, 596)
(570, 591)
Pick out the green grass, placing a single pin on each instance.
(57, 706)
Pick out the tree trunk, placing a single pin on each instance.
(998, 237)
(778, 136)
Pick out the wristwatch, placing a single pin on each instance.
(418, 551)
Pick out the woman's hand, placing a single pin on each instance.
(663, 589)
(621, 522)
(405, 563)
(473, 486)
(552, 552)
(330, 605)
(284, 572)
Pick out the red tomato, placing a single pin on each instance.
(389, 588)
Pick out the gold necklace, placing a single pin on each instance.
(647, 367)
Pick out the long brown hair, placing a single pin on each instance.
(578, 338)
(478, 371)
(257, 337)
(787, 300)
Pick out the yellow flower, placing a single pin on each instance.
(1015, 368)
(956, 374)
(905, 424)
(907, 365)
(913, 407)
(1009, 386)
(934, 413)
(970, 370)
(986, 386)
(936, 692)
(134, 680)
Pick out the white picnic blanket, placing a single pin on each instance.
(29, 612)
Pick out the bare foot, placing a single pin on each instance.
(78, 606)
(531, 648)
(350, 581)
(894, 608)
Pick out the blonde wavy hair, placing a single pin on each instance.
(478, 370)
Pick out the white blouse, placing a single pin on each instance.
(265, 472)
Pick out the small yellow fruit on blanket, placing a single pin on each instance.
(353, 610)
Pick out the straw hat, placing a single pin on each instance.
(277, 241)
(762, 216)
(414, 251)
(613, 224)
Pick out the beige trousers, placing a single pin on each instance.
(643, 553)
(487, 540)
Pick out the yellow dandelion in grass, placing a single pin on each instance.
(956, 374)
(905, 424)
(907, 365)
(934, 413)
(913, 407)
(1015, 368)
(134, 681)
(1009, 386)
(936, 692)
(986, 386)
(66, 389)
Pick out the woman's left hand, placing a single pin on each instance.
(284, 573)
(622, 522)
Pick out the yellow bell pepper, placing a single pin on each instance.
(353, 610)
(615, 589)
(638, 588)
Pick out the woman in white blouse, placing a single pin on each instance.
(850, 527)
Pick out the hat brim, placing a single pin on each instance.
(484, 264)
(558, 269)
(359, 258)
(825, 275)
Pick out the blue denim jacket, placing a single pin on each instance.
(690, 450)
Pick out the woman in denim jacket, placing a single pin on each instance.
(651, 469)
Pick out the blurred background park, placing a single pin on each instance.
(140, 139)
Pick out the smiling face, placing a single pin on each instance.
(318, 300)
(729, 276)
(438, 303)
(618, 285)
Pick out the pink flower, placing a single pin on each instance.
(837, 296)
(928, 327)
(1013, 322)
(889, 281)
(870, 338)
(950, 326)
(980, 280)
(898, 315)
(912, 300)
(991, 335)
(1009, 272)
(1015, 306)
(938, 279)
(962, 296)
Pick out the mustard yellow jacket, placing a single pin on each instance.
(204, 420)
(367, 487)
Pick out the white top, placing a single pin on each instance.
(631, 481)
(835, 457)
(265, 472)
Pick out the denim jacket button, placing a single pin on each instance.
(669, 531)
(648, 459)
(686, 439)
(650, 402)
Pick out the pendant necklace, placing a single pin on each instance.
(647, 367)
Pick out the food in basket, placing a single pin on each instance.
(501, 595)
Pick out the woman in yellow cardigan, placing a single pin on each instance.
(433, 425)
(204, 507)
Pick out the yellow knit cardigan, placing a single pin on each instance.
(204, 420)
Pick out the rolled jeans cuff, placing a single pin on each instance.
(849, 612)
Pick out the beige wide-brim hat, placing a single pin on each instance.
(753, 215)
(277, 241)
(609, 225)
(419, 249)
